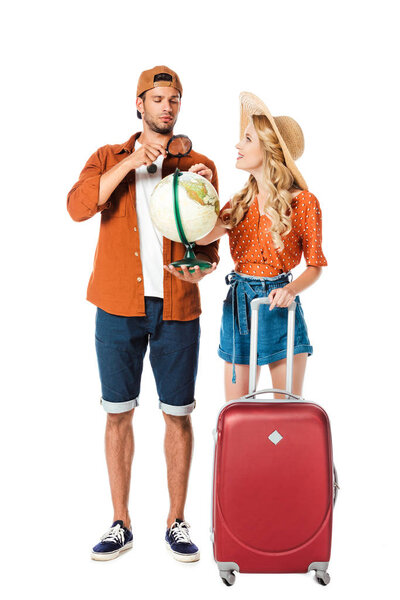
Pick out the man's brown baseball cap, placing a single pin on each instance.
(160, 76)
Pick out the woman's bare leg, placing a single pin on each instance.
(233, 391)
(278, 374)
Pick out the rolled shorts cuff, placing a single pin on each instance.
(178, 411)
(119, 407)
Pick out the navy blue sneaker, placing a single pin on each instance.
(116, 540)
(179, 543)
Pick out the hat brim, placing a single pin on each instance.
(250, 105)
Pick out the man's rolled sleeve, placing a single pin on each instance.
(211, 251)
(82, 200)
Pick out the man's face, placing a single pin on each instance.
(160, 108)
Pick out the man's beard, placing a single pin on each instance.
(163, 129)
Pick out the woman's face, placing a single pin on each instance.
(250, 156)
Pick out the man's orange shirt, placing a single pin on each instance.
(116, 283)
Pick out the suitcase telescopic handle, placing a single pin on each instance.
(255, 307)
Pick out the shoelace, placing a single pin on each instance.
(114, 534)
(180, 532)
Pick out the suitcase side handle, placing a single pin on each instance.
(255, 307)
(272, 391)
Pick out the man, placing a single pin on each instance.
(141, 300)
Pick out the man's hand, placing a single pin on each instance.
(201, 169)
(146, 155)
(282, 297)
(192, 277)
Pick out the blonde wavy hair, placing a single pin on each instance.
(278, 181)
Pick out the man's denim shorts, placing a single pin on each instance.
(272, 324)
(121, 344)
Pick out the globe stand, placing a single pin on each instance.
(189, 260)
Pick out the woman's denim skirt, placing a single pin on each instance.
(272, 324)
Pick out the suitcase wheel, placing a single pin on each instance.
(322, 577)
(228, 577)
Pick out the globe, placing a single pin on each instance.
(198, 206)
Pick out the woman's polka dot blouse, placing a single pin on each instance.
(251, 244)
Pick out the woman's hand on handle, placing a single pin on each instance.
(284, 296)
(281, 297)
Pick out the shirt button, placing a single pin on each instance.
(139, 279)
(136, 253)
(134, 229)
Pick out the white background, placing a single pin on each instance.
(69, 79)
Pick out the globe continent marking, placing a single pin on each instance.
(198, 206)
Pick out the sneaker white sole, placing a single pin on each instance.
(110, 555)
(183, 557)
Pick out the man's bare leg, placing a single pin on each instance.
(178, 447)
(119, 447)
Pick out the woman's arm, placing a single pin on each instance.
(214, 234)
(284, 296)
(303, 281)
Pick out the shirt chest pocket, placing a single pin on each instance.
(118, 199)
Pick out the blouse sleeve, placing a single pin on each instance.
(312, 234)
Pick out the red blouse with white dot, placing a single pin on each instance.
(251, 244)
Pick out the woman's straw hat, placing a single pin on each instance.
(287, 130)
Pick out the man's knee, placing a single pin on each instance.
(180, 421)
(120, 419)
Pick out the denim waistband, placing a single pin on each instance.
(251, 287)
(237, 275)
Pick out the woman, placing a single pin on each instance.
(270, 222)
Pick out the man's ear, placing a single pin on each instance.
(139, 107)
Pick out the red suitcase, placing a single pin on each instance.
(274, 479)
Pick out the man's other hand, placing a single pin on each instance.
(194, 276)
